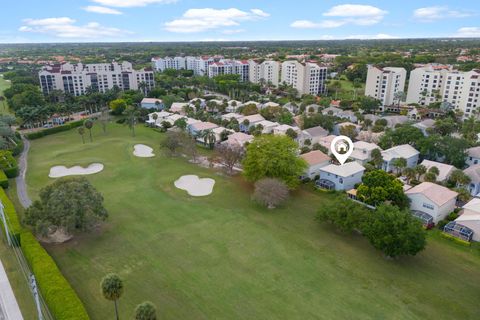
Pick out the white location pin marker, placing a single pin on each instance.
(341, 147)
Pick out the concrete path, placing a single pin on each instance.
(20, 180)
(9, 309)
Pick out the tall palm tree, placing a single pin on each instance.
(112, 289)
(146, 311)
(81, 131)
(209, 138)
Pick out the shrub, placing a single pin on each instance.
(11, 216)
(441, 224)
(3, 180)
(61, 299)
(47, 132)
(455, 239)
(452, 216)
(8, 164)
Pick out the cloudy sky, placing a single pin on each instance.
(202, 20)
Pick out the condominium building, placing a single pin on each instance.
(426, 83)
(77, 78)
(435, 83)
(229, 67)
(307, 78)
(267, 71)
(161, 64)
(384, 83)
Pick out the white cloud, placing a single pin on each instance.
(102, 10)
(131, 3)
(354, 10)
(233, 31)
(65, 27)
(429, 14)
(468, 32)
(199, 20)
(356, 14)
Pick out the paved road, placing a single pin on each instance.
(20, 180)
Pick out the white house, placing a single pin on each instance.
(327, 141)
(218, 133)
(239, 139)
(473, 156)
(178, 107)
(316, 160)
(445, 170)
(172, 118)
(196, 128)
(161, 115)
(405, 151)
(432, 199)
(362, 151)
(339, 126)
(314, 134)
(393, 121)
(249, 121)
(344, 177)
(230, 116)
(268, 126)
(473, 172)
(269, 104)
(152, 103)
(470, 218)
(340, 113)
(283, 128)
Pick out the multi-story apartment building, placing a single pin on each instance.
(77, 78)
(267, 71)
(426, 83)
(229, 67)
(161, 64)
(307, 78)
(384, 83)
(435, 83)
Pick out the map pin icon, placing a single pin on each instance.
(341, 147)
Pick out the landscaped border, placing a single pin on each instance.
(62, 301)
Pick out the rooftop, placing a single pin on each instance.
(402, 151)
(345, 170)
(444, 169)
(315, 157)
(434, 192)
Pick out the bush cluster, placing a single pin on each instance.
(47, 132)
(11, 217)
(8, 164)
(3, 180)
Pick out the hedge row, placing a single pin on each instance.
(11, 216)
(47, 132)
(455, 239)
(60, 297)
(3, 180)
(8, 163)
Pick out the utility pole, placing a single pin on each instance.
(33, 286)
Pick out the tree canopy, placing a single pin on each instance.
(378, 187)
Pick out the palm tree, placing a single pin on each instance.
(89, 125)
(81, 131)
(399, 164)
(132, 115)
(155, 117)
(209, 138)
(112, 289)
(409, 173)
(420, 170)
(146, 311)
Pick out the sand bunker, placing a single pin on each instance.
(143, 151)
(195, 186)
(62, 171)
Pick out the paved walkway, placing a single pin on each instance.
(9, 309)
(20, 180)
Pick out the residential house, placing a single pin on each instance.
(369, 136)
(230, 116)
(269, 104)
(268, 126)
(178, 107)
(283, 128)
(291, 107)
(327, 141)
(405, 151)
(362, 151)
(312, 108)
(469, 218)
(239, 139)
(340, 113)
(445, 170)
(435, 200)
(473, 156)
(151, 103)
(425, 125)
(174, 117)
(314, 134)
(159, 115)
(343, 177)
(316, 160)
(218, 133)
(249, 121)
(393, 121)
(195, 129)
(473, 172)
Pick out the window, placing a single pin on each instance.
(427, 205)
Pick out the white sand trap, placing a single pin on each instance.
(143, 151)
(62, 171)
(195, 186)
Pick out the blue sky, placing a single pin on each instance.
(201, 20)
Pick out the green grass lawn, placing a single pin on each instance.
(224, 257)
